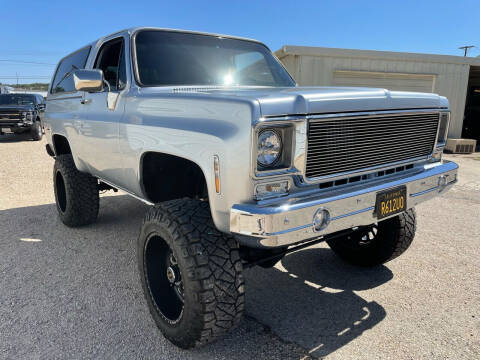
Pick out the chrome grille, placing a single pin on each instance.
(351, 144)
(10, 115)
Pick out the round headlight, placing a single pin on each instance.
(269, 148)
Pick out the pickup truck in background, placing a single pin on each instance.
(22, 113)
(239, 164)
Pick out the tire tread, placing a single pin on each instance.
(214, 268)
(395, 235)
(81, 191)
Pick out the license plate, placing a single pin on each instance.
(7, 130)
(391, 202)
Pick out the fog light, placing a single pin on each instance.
(321, 219)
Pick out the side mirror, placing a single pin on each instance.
(88, 80)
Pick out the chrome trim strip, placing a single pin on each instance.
(438, 129)
(65, 97)
(351, 114)
(126, 191)
(353, 213)
(371, 113)
(424, 192)
(265, 120)
(289, 230)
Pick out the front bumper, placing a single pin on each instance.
(15, 124)
(291, 221)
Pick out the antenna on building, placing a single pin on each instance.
(466, 48)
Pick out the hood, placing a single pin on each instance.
(17, 107)
(320, 100)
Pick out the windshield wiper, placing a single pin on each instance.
(67, 74)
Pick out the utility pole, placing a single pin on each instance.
(466, 48)
(16, 74)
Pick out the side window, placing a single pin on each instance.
(63, 80)
(111, 60)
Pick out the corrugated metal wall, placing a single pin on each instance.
(449, 80)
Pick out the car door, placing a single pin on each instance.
(104, 110)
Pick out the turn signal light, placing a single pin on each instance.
(216, 169)
(265, 191)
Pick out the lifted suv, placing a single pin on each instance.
(22, 113)
(240, 165)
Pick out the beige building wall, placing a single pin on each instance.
(444, 75)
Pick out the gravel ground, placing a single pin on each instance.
(74, 293)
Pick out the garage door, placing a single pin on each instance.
(385, 80)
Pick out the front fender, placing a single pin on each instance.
(194, 128)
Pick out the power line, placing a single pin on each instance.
(25, 77)
(27, 62)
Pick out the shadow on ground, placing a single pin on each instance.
(75, 293)
(313, 303)
(13, 138)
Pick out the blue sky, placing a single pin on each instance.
(45, 31)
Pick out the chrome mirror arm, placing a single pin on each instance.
(108, 85)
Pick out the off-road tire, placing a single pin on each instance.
(392, 239)
(76, 193)
(210, 269)
(36, 131)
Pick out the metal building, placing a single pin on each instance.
(456, 77)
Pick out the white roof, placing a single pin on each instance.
(373, 54)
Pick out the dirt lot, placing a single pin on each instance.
(75, 293)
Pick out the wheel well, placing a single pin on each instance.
(60, 144)
(167, 177)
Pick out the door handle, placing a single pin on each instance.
(85, 101)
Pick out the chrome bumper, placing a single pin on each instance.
(290, 221)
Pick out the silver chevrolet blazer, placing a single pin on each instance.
(239, 164)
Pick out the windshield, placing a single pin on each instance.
(17, 99)
(174, 58)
